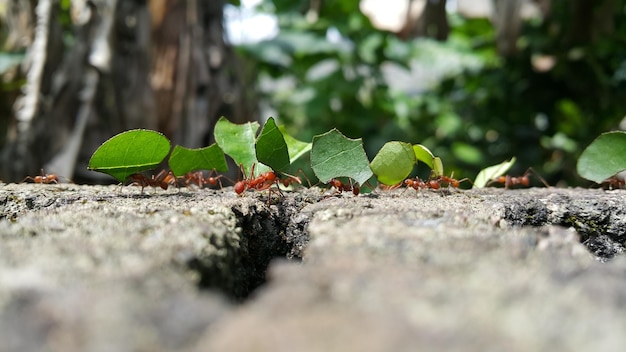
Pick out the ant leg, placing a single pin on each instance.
(52, 179)
(355, 189)
(466, 179)
(406, 183)
(289, 180)
(303, 174)
(198, 179)
(160, 175)
(217, 179)
(276, 190)
(252, 171)
(27, 178)
(531, 170)
(371, 186)
(387, 188)
(335, 185)
(140, 180)
(507, 181)
(458, 182)
(194, 178)
(142, 186)
(171, 180)
(300, 174)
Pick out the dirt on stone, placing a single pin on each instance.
(102, 268)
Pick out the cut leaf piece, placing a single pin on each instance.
(334, 155)
(130, 152)
(184, 160)
(604, 157)
(489, 173)
(295, 147)
(393, 163)
(424, 155)
(437, 166)
(271, 148)
(238, 142)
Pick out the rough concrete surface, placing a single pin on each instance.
(93, 268)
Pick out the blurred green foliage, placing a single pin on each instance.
(544, 118)
(320, 83)
(326, 70)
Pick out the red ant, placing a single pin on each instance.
(523, 180)
(243, 184)
(46, 178)
(154, 181)
(288, 181)
(170, 179)
(448, 181)
(265, 181)
(214, 180)
(417, 184)
(43, 178)
(343, 187)
(262, 182)
(614, 183)
(197, 178)
(291, 179)
(434, 182)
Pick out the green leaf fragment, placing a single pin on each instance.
(130, 152)
(604, 157)
(424, 155)
(184, 160)
(238, 142)
(437, 166)
(489, 173)
(271, 148)
(393, 163)
(334, 155)
(295, 147)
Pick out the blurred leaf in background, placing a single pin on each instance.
(539, 87)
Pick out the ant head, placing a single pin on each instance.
(458, 182)
(336, 183)
(240, 186)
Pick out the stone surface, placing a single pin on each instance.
(86, 268)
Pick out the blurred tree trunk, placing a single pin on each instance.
(591, 20)
(507, 21)
(159, 64)
(190, 73)
(427, 19)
